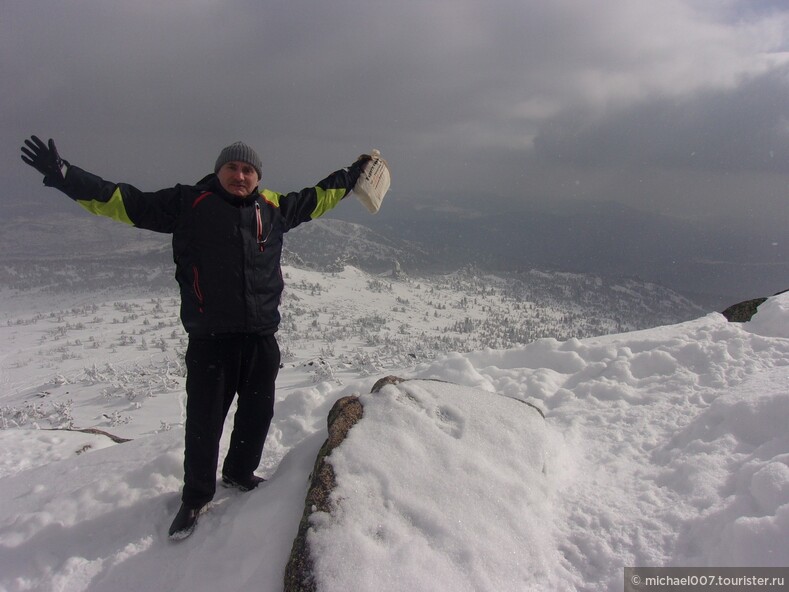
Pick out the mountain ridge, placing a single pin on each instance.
(74, 251)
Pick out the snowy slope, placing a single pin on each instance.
(667, 446)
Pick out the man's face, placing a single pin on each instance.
(238, 178)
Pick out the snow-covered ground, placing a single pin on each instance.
(663, 447)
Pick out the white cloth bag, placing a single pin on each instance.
(373, 183)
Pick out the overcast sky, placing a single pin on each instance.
(678, 106)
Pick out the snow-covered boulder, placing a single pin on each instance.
(421, 477)
(742, 312)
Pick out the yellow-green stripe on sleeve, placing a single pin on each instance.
(112, 208)
(327, 199)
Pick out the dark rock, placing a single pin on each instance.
(345, 413)
(742, 312)
(384, 381)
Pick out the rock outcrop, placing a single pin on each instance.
(342, 417)
(454, 412)
(345, 413)
(742, 312)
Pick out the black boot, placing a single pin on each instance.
(184, 522)
(243, 484)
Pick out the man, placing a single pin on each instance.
(227, 245)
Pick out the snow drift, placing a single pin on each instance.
(663, 447)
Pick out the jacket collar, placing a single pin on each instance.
(212, 184)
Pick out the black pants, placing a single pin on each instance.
(218, 368)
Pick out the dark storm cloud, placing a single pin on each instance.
(513, 97)
(745, 128)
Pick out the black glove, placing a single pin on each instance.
(45, 159)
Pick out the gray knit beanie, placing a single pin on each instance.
(240, 152)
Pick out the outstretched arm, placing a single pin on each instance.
(119, 201)
(313, 202)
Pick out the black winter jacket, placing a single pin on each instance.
(226, 249)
